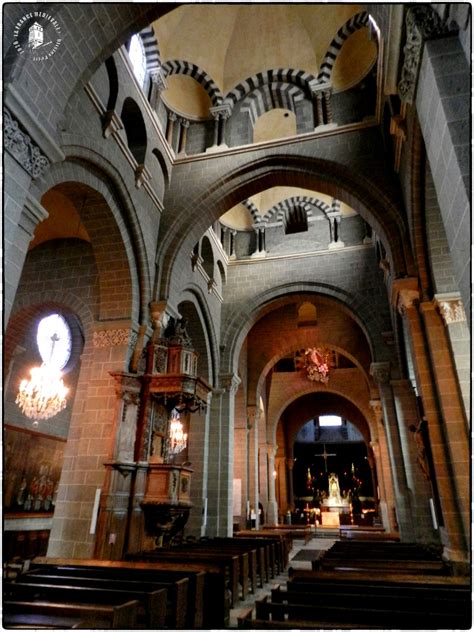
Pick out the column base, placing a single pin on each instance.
(334, 245)
(258, 255)
(215, 148)
(325, 127)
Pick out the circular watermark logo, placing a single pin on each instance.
(38, 35)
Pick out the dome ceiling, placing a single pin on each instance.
(233, 42)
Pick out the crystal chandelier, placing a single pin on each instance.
(317, 363)
(177, 439)
(44, 395)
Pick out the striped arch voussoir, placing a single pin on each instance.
(297, 78)
(180, 67)
(269, 97)
(152, 51)
(277, 212)
(355, 23)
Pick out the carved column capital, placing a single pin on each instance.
(172, 116)
(158, 78)
(380, 371)
(317, 87)
(184, 122)
(229, 382)
(376, 406)
(422, 23)
(159, 318)
(405, 294)
(450, 307)
(223, 111)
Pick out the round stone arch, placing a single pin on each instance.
(272, 422)
(237, 326)
(105, 27)
(223, 190)
(119, 215)
(271, 363)
(207, 343)
(325, 402)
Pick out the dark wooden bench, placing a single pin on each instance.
(369, 613)
(384, 576)
(263, 555)
(47, 614)
(152, 605)
(228, 562)
(295, 531)
(177, 591)
(282, 541)
(136, 572)
(217, 598)
(246, 622)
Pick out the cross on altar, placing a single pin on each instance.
(325, 455)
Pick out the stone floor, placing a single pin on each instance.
(298, 545)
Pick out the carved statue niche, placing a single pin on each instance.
(159, 422)
(421, 456)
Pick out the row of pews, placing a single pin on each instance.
(190, 586)
(367, 584)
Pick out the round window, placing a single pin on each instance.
(54, 341)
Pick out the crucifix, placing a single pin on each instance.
(325, 455)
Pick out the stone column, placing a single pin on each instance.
(382, 463)
(172, 117)
(451, 308)
(232, 255)
(253, 414)
(289, 463)
(322, 108)
(198, 455)
(381, 374)
(221, 113)
(158, 82)
(446, 431)
(221, 457)
(418, 483)
(272, 507)
(259, 241)
(93, 433)
(334, 217)
(183, 128)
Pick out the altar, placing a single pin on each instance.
(335, 505)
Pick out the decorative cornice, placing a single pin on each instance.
(113, 337)
(22, 148)
(450, 307)
(422, 23)
(157, 77)
(20, 110)
(32, 215)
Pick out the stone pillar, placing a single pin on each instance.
(198, 455)
(382, 463)
(454, 317)
(172, 117)
(31, 215)
(446, 430)
(272, 507)
(259, 241)
(232, 255)
(289, 463)
(183, 128)
(322, 108)
(418, 483)
(221, 114)
(253, 414)
(158, 82)
(221, 457)
(381, 374)
(93, 435)
(334, 217)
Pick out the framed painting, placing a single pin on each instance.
(33, 463)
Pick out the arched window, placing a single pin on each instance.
(54, 341)
(137, 56)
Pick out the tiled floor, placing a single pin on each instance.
(298, 545)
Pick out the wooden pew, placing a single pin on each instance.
(246, 622)
(382, 577)
(227, 561)
(261, 555)
(177, 591)
(47, 614)
(137, 572)
(152, 605)
(295, 531)
(370, 613)
(283, 545)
